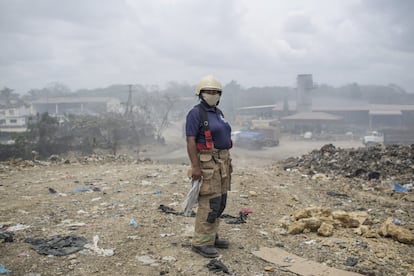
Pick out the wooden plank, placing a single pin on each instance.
(298, 265)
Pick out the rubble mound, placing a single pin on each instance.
(378, 162)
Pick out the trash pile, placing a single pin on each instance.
(370, 163)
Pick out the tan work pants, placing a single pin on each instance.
(216, 172)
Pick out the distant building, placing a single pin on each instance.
(363, 117)
(304, 97)
(13, 119)
(76, 105)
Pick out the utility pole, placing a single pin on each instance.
(128, 107)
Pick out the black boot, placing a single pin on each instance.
(207, 251)
(219, 243)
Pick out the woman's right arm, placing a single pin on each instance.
(192, 154)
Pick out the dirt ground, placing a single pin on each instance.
(118, 200)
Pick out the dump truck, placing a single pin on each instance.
(256, 134)
(248, 139)
(269, 130)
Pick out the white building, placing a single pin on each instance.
(76, 105)
(14, 119)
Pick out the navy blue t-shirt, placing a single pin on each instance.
(219, 127)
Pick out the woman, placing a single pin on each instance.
(208, 143)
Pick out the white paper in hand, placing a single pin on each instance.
(192, 197)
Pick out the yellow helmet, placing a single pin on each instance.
(208, 82)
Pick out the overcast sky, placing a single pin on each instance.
(96, 43)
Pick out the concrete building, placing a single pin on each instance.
(76, 105)
(14, 119)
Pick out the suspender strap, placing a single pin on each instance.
(206, 128)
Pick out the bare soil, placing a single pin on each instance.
(133, 188)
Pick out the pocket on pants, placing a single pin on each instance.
(211, 182)
(206, 188)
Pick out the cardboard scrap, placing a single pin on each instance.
(298, 264)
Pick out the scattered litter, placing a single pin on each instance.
(157, 192)
(58, 246)
(24, 254)
(351, 261)
(310, 242)
(146, 183)
(229, 219)
(335, 194)
(374, 175)
(3, 270)
(163, 235)
(264, 233)
(72, 225)
(100, 251)
(217, 266)
(86, 189)
(17, 227)
(170, 210)
(52, 191)
(396, 221)
(4, 224)
(168, 259)
(246, 211)
(147, 260)
(6, 236)
(235, 229)
(402, 188)
(253, 193)
(133, 222)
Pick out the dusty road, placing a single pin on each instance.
(175, 151)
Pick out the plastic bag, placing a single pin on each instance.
(192, 197)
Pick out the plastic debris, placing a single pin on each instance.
(17, 227)
(217, 266)
(246, 210)
(335, 194)
(7, 236)
(52, 191)
(402, 188)
(146, 260)
(133, 222)
(229, 219)
(57, 246)
(163, 235)
(3, 270)
(170, 210)
(86, 189)
(351, 261)
(100, 251)
(192, 197)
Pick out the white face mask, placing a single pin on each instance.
(211, 100)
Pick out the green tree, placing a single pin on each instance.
(42, 133)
